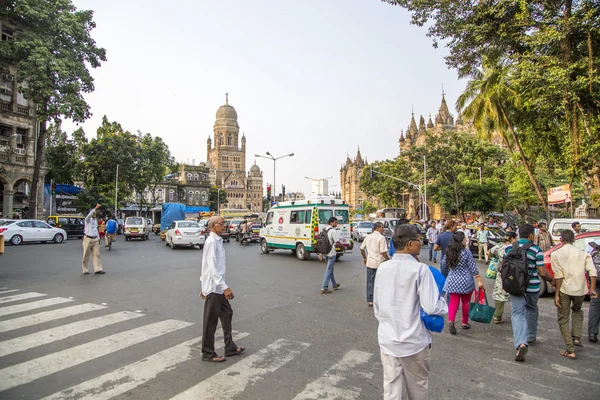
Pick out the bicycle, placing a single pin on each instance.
(110, 241)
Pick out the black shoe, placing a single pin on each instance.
(86, 273)
(99, 273)
(593, 338)
(452, 328)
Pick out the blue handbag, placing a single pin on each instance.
(435, 323)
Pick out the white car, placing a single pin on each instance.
(30, 230)
(185, 233)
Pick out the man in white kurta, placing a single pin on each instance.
(403, 286)
(217, 294)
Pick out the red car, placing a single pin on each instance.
(581, 241)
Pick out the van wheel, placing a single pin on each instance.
(301, 253)
(58, 238)
(264, 246)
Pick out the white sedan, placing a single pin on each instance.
(30, 230)
(185, 233)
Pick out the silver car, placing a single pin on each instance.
(362, 230)
(30, 230)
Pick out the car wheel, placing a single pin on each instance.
(301, 252)
(15, 240)
(58, 238)
(264, 246)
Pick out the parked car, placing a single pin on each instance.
(495, 235)
(72, 224)
(185, 233)
(361, 230)
(226, 235)
(136, 227)
(31, 230)
(389, 225)
(557, 225)
(581, 242)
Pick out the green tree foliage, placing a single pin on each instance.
(52, 52)
(61, 156)
(215, 194)
(551, 48)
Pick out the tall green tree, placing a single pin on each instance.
(487, 101)
(217, 198)
(52, 51)
(61, 156)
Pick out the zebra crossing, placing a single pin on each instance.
(68, 320)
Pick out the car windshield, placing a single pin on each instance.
(189, 224)
(365, 225)
(135, 221)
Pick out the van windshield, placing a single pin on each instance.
(341, 215)
(134, 221)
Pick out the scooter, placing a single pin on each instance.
(245, 239)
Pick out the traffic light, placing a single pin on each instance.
(53, 188)
(269, 192)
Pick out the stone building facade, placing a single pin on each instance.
(350, 174)
(190, 185)
(226, 161)
(18, 135)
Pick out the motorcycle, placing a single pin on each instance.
(246, 239)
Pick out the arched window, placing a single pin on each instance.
(189, 176)
(190, 196)
(196, 176)
(159, 195)
(197, 197)
(220, 139)
(171, 195)
(203, 196)
(229, 140)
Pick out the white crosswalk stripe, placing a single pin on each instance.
(328, 386)
(19, 297)
(61, 332)
(47, 316)
(249, 370)
(133, 375)
(233, 378)
(30, 370)
(9, 291)
(32, 306)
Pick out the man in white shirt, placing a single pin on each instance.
(570, 265)
(403, 286)
(467, 232)
(91, 243)
(334, 238)
(376, 248)
(217, 295)
(432, 236)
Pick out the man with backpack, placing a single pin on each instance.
(522, 267)
(328, 240)
(594, 315)
(570, 265)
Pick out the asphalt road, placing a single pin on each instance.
(133, 333)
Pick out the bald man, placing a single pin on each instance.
(216, 294)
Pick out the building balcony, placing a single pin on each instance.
(16, 108)
(8, 158)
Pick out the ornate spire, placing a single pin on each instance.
(358, 159)
(422, 130)
(402, 139)
(429, 123)
(226, 97)
(412, 129)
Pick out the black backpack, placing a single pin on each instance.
(515, 270)
(595, 254)
(324, 245)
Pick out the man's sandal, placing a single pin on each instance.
(577, 342)
(215, 359)
(238, 351)
(565, 353)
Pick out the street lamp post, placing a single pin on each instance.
(419, 187)
(270, 157)
(116, 189)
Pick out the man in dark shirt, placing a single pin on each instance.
(442, 244)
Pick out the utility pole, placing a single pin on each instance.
(116, 189)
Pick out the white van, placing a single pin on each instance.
(560, 224)
(136, 227)
(295, 225)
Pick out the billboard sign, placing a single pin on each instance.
(559, 195)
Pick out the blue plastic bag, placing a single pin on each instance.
(435, 323)
(392, 249)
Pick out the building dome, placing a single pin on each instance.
(255, 169)
(226, 112)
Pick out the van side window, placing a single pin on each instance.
(269, 219)
(297, 217)
(308, 218)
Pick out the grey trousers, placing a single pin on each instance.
(406, 374)
(594, 316)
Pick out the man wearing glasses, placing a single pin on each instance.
(403, 286)
(217, 295)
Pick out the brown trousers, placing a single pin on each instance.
(91, 247)
(570, 311)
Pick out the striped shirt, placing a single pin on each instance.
(535, 259)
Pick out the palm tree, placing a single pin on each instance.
(486, 101)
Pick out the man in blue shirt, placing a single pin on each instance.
(524, 307)
(442, 244)
(111, 230)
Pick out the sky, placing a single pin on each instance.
(319, 78)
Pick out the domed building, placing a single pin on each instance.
(228, 162)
